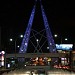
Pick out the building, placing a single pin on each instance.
(2, 58)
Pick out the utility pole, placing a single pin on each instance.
(61, 40)
(15, 48)
(5, 58)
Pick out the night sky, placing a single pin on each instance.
(14, 16)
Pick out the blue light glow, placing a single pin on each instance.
(51, 43)
(24, 45)
(25, 41)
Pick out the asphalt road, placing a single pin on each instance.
(51, 72)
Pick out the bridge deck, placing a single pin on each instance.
(29, 55)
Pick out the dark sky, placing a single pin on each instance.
(14, 16)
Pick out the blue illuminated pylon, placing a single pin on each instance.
(26, 38)
(25, 41)
(51, 43)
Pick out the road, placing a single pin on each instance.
(51, 72)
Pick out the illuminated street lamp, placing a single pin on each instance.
(47, 47)
(11, 39)
(18, 46)
(15, 43)
(55, 35)
(66, 39)
(37, 44)
(61, 38)
(21, 36)
(37, 40)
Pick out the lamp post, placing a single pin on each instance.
(60, 38)
(61, 43)
(37, 45)
(15, 46)
(21, 36)
(57, 36)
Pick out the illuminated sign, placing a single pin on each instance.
(64, 46)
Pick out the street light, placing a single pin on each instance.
(18, 46)
(47, 47)
(37, 45)
(66, 39)
(61, 38)
(37, 40)
(55, 35)
(11, 39)
(15, 43)
(21, 36)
